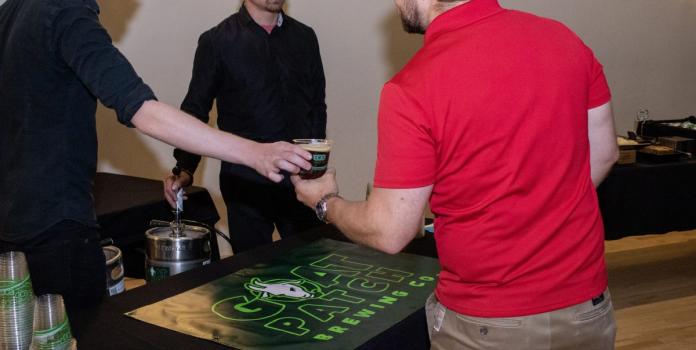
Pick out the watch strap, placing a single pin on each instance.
(321, 208)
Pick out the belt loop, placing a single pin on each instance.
(598, 300)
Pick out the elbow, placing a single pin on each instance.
(393, 241)
(391, 249)
(608, 157)
(143, 118)
(388, 229)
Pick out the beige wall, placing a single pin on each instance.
(647, 48)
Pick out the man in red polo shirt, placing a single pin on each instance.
(503, 121)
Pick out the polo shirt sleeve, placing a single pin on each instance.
(406, 155)
(84, 45)
(599, 92)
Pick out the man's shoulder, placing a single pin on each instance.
(46, 13)
(227, 25)
(290, 21)
(48, 8)
(548, 25)
(413, 75)
(61, 4)
(548, 31)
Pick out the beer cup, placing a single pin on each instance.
(320, 150)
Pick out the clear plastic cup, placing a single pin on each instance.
(51, 326)
(13, 267)
(16, 302)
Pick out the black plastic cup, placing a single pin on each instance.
(320, 150)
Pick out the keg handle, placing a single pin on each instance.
(177, 226)
(106, 242)
(171, 224)
(178, 229)
(162, 223)
(159, 223)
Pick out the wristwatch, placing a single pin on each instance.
(322, 209)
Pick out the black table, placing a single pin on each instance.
(105, 327)
(126, 204)
(643, 198)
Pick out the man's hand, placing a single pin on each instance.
(173, 183)
(268, 159)
(310, 192)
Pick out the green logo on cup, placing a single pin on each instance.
(15, 292)
(54, 338)
(319, 157)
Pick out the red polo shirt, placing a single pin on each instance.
(492, 111)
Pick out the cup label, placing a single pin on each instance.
(54, 338)
(119, 288)
(15, 292)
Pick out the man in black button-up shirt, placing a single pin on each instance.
(56, 60)
(265, 71)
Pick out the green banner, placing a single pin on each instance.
(326, 295)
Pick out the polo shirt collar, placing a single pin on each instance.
(246, 17)
(462, 16)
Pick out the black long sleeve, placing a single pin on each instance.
(56, 61)
(319, 102)
(205, 80)
(86, 47)
(266, 87)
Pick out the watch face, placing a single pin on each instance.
(320, 209)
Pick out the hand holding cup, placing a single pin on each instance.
(320, 150)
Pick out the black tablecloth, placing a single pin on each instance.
(649, 198)
(126, 204)
(636, 199)
(106, 327)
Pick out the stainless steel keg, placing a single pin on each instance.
(174, 249)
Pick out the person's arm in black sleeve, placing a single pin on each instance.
(319, 99)
(85, 46)
(202, 90)
(199, 99)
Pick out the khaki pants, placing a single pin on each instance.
(580, 327)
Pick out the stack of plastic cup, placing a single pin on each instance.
(51, 326)
(16, 302)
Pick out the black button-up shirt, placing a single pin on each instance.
(56, 60)
(268, 87)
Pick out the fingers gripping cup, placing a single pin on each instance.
(320, 150)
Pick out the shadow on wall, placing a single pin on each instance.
(399, 45)
(123, 150)
(115, 16)
(118, 145)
